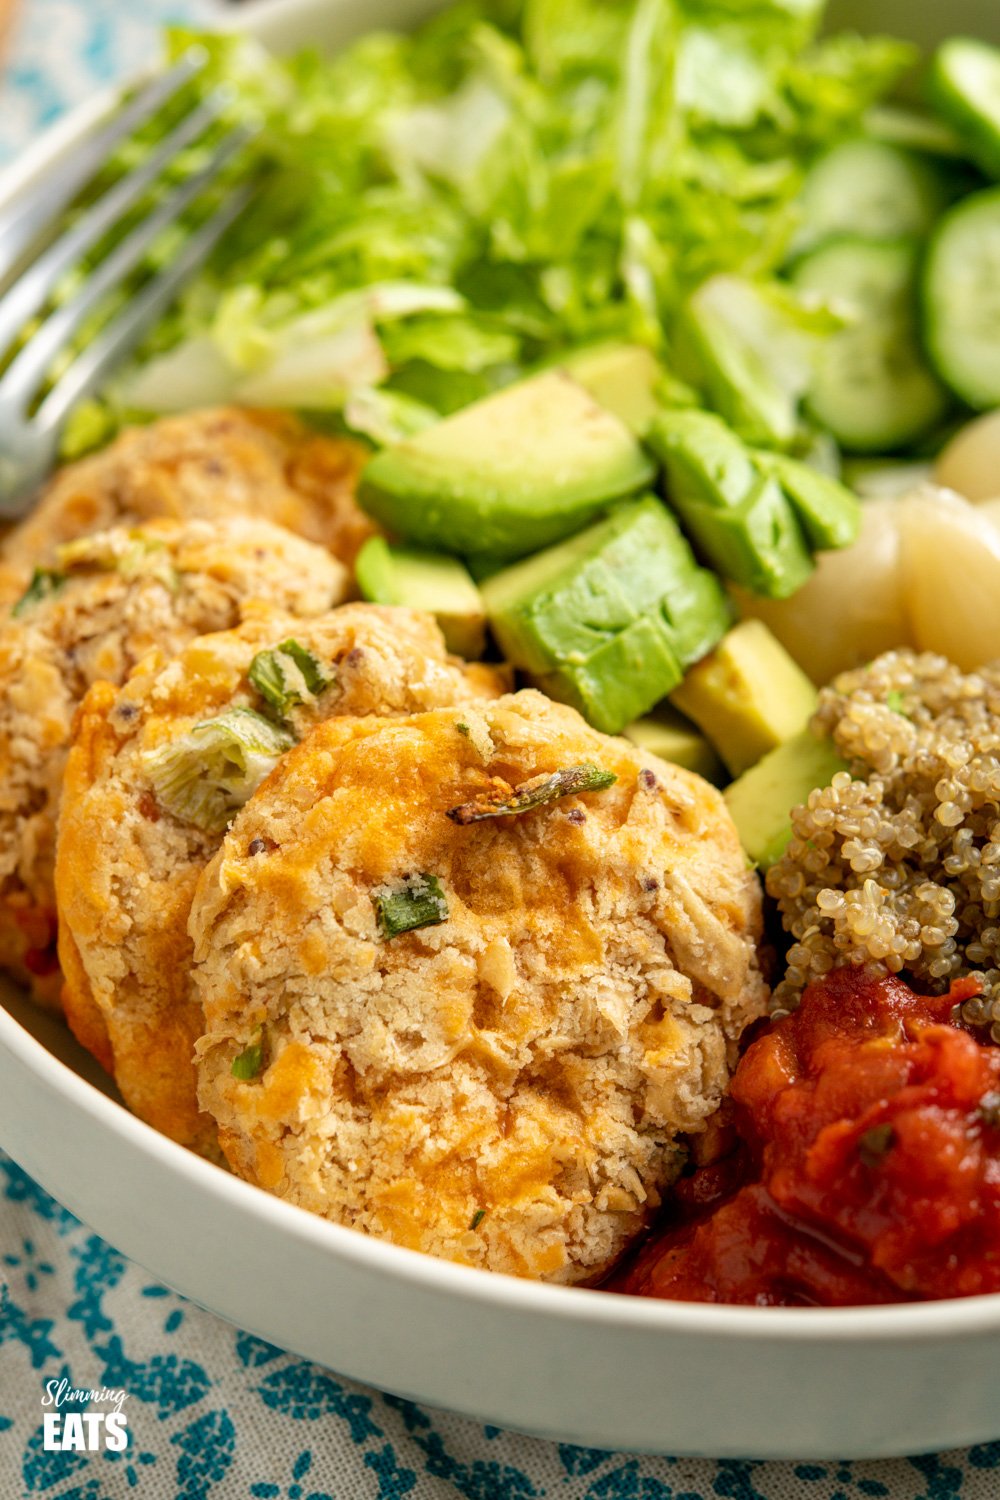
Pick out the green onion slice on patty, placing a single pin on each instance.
(417, 901)
(246, 1065)
(287, 675)
(131, 556)
(206, 775)
(44, 583)
(534, 793)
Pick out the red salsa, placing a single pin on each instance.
(869, 1164)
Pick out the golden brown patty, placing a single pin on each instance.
(503, 1086)
(216, 463)
(130, 845)
(117, 596)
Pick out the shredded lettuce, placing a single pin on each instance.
(439, 212)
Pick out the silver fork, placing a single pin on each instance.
(29, 435)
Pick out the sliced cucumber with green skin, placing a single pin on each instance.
(873, 388)
(964, 85)
(871, 188)
(962, 299)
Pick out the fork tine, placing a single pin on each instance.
(29, 292)
(21, 380)
(92, 366)
(32, 210)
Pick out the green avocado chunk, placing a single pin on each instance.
(760, 801)
(736, 512)
(510, 474)
(735, 376)
(747, 696)
(428, 581)
(609, 620)
(623, 378)
(483, 565)
(829, 514)
(673, 738)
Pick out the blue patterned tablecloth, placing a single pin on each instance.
(215, 1414)
(61, 50)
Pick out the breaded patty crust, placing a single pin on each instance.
(468, 975)
(112, 598)
(156, 771)
(220, 462)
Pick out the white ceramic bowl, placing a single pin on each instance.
(585, 1367)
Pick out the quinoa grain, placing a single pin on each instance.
(897, 861)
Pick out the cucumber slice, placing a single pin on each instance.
(962, 299)
(867, 187)
(964, 84)
(873, 389)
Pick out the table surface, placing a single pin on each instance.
(215, 1414)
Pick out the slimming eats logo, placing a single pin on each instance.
(68, 1427)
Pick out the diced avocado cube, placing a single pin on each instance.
(673, 738)
(428, 581)
(517, 471)
(739, 519)
(757, 544)
(617, 675)
(696, 612)
(572, 598)
(609, 620)
(707, 463)
(483, 565)
(760, 801)
(829, 514)
(747, 695)
(623, 378)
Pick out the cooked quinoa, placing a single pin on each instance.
(898, 861)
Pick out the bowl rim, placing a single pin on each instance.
(896, 1324)
(899, 1323)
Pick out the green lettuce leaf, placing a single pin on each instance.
(439, 212)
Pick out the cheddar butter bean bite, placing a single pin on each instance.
(467, 975)
(158, 770)
(105, 603)
(216, 463)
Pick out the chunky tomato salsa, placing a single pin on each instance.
(869, 1163)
